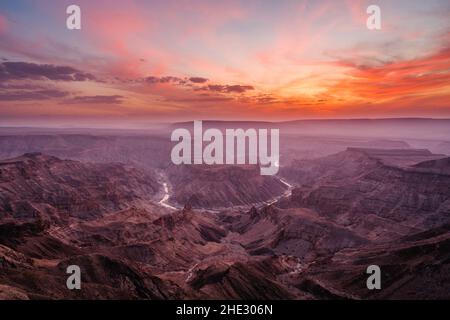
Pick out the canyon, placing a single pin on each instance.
(146, 229)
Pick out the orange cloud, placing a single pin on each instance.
(429, 75)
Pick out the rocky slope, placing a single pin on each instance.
(140, 150)
(222, 186)
(315, 244)
(414, 267)
(126, 246)
(37, 186)
(375, 191)
(301, 233)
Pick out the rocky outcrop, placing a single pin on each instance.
(299, 232)
(36, 186)
(415, 267)
(216, 186)
(349, 210)
(373, 191)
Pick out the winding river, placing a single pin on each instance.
(165, 200)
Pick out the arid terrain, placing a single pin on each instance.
(140, 227)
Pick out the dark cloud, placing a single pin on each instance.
(167, 79)
(238, 88)
(193, 82)
(152, 80)
(215, 87)
(201, 99)
(13, 85)
(114, 99)
(174, 80)
(33, 71)
(199, 85)
(32, 95)
(266, 99)
(198, 79)
(228, 88)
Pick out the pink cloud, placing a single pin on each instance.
(3, 24)
(149, 32)
(357, 9)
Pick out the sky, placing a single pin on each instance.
(138, 62)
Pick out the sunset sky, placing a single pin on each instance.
(136, 62)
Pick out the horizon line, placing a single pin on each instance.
(163, 123)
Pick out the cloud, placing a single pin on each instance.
(198, 79)
(32, 95)
(228, 88)
(166, 79)
(238, 88)
(175, 80)
(266, 99)
(3, 24)
(99, 99)
(13, 85)
(396, 79)
(201, 99)
(33, 71)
